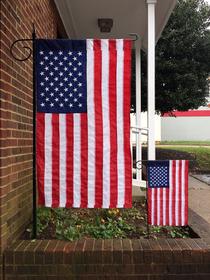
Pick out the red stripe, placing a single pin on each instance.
(69, 159)
(196, 113)
(149, 201)
(155, 206)
(180, 193)
(98, 124)
(167, 206)
(84, 159)
(174, 192)
(40, 155)
(161, 206)
(55, 160)
(186, 191)
(126, 98)
(113, 123)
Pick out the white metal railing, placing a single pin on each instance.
(136, 152)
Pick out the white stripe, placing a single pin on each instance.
(48, 161)
(120, 126)
(170, 193)
(91, 124)
(177, 194)
(164, 206)
(106, 123)
(62, 164)
(152, 206)
(183, 193)
(77, 162)
(158, 206)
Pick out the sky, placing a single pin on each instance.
(208, 1)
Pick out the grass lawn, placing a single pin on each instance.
(190, 143)
(201, 155)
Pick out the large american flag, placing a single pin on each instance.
(168, 192)
(83, 123)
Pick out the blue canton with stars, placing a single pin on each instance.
(61, 76)
(158, 174)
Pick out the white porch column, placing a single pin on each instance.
(138, 106)
(151, 78)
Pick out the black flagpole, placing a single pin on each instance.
(31, 51)
(34, 138)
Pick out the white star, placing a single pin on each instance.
(75, 68)
(51, 94)
(70, 84)
(61, 105)
(56, 68)
(56, 99)
(61, 84)
(46, 68)
(80, 84)
(41, 52)
(65, 89)
(75, 89)
(65, 58)
(56, 89)
(51, 84)
(41, 62)
(80, 105)
(61, 94)
(60, 52)
(46, 78)
(74, 58)
(46, 58)
(79, 53)
(66, 99)
(70, 63)
(60, 63)
(65, 79)
(42, 84)
(79, 63)
(79, 74)
(42, 104)
(80, 94)
(51, 73)
(52, 104)
(41, 73)
(55, 58)
(51, 63)
(61, 74)
(42, 94)
(70, 94)
(69, 53)
(75, 99)
(51, 52)
(56, 78)
(70, 105)
(75, 79)
(46, 89)
(65, 68)
(47, 99)
(70, 74)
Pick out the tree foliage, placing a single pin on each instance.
(182, 60)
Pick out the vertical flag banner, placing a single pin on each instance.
(168, 192)
(83, 123)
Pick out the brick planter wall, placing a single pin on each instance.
(16, 17)
(109, 259)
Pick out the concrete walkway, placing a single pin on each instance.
(199, 198)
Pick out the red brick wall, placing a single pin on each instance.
(16, 17)
(168, 259)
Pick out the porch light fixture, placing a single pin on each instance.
(105, 24)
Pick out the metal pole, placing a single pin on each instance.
(34, 138)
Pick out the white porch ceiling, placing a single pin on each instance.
(129, 16)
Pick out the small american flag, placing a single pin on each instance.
(168, 192)
(83, 125)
